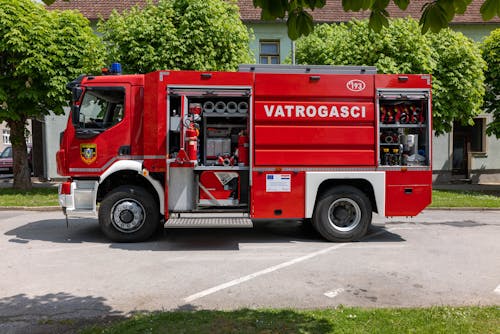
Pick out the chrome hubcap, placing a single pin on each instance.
(344, 214)
(128, 215)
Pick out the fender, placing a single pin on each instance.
(315, 179)
(136, 165)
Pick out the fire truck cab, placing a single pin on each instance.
(323, 144)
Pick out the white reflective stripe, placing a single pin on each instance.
(314, 180)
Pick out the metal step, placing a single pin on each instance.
(209, 222)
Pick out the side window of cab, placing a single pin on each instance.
(100, 108)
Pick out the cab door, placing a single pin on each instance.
(101, 126)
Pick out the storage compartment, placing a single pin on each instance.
(404, 128)
(407, 200)
(213, 136)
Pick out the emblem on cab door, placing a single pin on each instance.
(88, 153)
(356, 85)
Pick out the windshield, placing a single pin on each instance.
(6, 153)
(101, 107)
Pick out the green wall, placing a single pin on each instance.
(476, 31)
(270, 31)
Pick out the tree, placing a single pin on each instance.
(178, 34)
(491, 54)
(454, 61)
(40, 52)
(435, 14)
(458, 79)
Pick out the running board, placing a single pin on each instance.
(209, 222)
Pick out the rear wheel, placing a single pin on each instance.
(129, 214)
(342, 214)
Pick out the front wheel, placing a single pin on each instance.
(343, 214)
(129, 214)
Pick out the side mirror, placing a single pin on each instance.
(76, 93)
(75, 114)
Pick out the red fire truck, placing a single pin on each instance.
(327, 145)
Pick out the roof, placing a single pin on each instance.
(96, 9)
(332, 12)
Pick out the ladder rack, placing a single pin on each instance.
(306, 69)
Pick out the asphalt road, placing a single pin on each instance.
(50, 273)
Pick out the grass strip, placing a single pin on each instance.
(338, 320)
(463, 199)
(30, 198)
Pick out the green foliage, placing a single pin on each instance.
(178, 34)
(400, 48)
(491, 54)
(490, 9)
(453, 60)
(40, 51)
(435, 15)
(458, 79)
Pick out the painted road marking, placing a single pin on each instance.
(243, 279)
(334, 293)
(259, 273)
(497, 290)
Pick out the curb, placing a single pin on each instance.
(30, 208)
(462, 209)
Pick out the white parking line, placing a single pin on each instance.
(497, 290)
(243, 279)
(260, 273)
(334, 293)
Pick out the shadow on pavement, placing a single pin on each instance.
(53, 313)
(378, 233)
(87, 231)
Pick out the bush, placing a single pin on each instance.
(491, 54)
(178, 34)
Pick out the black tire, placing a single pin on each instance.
(342, 214)
(129, 214)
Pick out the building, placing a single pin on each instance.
(465, 154)
(5, 132)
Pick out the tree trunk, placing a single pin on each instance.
(22, 172)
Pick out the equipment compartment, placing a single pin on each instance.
(404, 132)
(209, 131)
